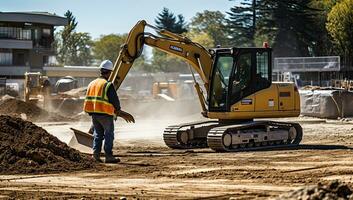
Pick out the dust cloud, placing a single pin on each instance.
(152, 118)
(152, 114)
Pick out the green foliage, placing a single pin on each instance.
(209, 24)
(162, 61)
(168, 21)
(107, 47)
(325, 5)
(290, 23)
(73, 48)
(322, 44)
(241, 23)
(80, 51)
(340, 26)
(202, 38)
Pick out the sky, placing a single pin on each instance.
(101, 17)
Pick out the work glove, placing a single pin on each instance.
(126, 116)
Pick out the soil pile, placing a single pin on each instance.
(15, 107)
(27, 148)
(331, 191)
(77, 92)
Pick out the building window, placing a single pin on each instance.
(49, 61)
(19, 59)
(45, 60)
(46, 32)
(5, 58)
(15, 33)
(26, 34)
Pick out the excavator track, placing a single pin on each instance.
(188, 135)
(257, 135)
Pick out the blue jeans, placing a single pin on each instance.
(103, 130)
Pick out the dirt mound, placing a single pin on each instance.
(330, 191)
(15, 107)
(77, 92)
(27, 148)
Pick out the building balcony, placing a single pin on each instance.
(11, 70)
(15, 44)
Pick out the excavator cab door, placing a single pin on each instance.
(238, 73)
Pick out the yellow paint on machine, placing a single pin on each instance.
(279, 100)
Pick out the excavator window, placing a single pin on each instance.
(237, 74)
(220, 81)
(242, 73)
(262, 70)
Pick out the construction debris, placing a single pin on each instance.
(27, 148)
(334, 190)
(326, 103)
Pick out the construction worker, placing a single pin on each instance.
(102, 104)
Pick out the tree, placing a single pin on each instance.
(241, 23)
(63, 38)
(323, 45)
(162, 61)
(291, 24)
(209, 24)
(180, 26)
(340, 27)
(201, 38)
(73, 48)
(108, 47)
(167, 20)
(81, 54)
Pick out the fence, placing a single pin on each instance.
(307, 64)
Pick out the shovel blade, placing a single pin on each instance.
(81, 141)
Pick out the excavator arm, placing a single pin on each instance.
(194, 54)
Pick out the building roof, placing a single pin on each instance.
(75, 71)
(33, 17)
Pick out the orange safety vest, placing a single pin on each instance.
(96, 98)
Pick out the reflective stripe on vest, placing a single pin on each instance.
(96, 98)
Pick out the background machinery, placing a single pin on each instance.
(36, 86)
(165, 90)
(238, 86)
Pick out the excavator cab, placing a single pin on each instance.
(237, 73)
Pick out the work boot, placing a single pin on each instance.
(111, 159)
(96, 157)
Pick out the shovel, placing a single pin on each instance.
(83, 141)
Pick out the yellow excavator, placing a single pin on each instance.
(238, 88)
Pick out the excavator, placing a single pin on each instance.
(237, 92)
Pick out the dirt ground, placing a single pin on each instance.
(151, 170)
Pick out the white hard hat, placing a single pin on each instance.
(106, 64)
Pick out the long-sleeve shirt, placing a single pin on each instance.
(113, 97)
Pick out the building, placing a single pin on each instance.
(83, 74)
(26, 42)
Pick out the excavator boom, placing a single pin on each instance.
(194, 54)
(239, 87)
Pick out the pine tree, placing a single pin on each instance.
(73, 48)
(168, 21)
(176, 24)
(180, 26)
(290, 23)
(241, 23)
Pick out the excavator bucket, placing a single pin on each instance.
(81, 141)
